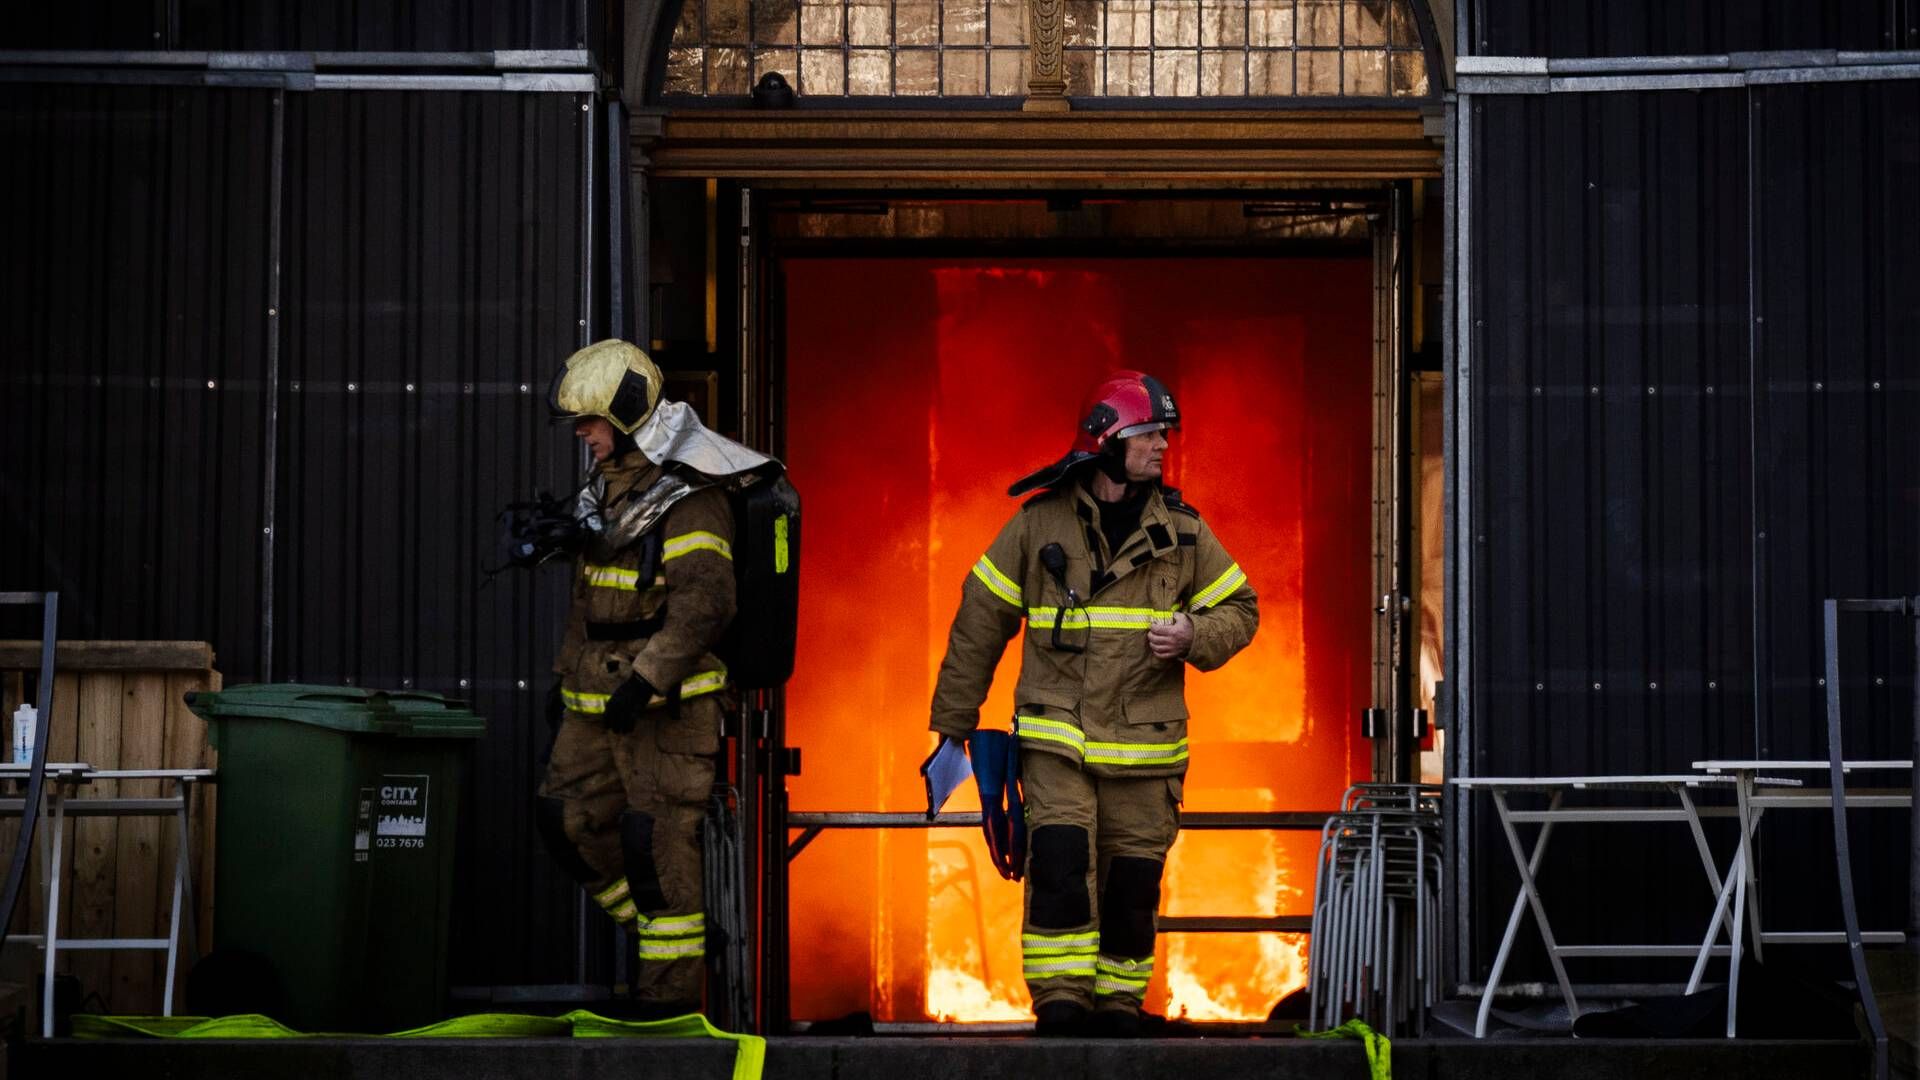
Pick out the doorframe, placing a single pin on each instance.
(759, 316)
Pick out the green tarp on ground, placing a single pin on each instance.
(750, 1051)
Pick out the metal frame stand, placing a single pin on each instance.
(37, 775)
(61, 805)
(1849, 910)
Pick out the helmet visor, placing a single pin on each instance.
(556, 412)
(1142, 429)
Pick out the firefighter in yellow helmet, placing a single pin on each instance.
(639, 693)
(1120, 585)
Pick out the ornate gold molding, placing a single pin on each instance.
(1047, 81)
(1086, 148)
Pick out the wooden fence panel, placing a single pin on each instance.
(121, 705)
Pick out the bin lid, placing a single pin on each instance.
(354, 709)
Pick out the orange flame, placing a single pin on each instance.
(917, 390)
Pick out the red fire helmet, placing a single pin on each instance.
(1122, 404)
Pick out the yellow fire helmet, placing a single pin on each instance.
(612, 379)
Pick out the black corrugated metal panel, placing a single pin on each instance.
(297, 25)
(136, 224)
(426, 240)
(1571, 28)
(1633, 444)
(433, 282)
(1837, 243)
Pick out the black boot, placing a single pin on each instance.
(1114, 1024)
(659, 1010)
(1059, 1019)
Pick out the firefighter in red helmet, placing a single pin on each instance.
(1119, 585)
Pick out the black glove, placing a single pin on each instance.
(556, 706)
(623, 707)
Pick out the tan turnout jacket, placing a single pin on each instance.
(1114, 708)
(675, 618)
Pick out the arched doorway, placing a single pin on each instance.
(905, 274)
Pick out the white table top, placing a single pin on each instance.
(10, 771)
(1749, 765)
(1548, 783)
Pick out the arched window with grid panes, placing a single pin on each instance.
(1144, 53)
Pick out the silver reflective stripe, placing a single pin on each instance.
(672, 925)
(1037, 943)
(996, 582)
(1044, 730)
(588, 704)
(704, 683)
(1137, 754)
(1051, 967)
(1099, 618)
(1222, 587)
(672, 950)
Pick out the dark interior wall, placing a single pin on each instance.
(135, 346)
(297, 25)
(1579, 28)
(430, 279)
(1698, 414)
(434, 280)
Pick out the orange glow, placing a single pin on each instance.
(917, 390)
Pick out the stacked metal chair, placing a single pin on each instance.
(1375, 947)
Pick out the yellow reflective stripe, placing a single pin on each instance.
(1222, 587)
(688, 543)
(624, 910)
(612, 577)
(996, 582)
(1171, 753)
(1098, 618)
(1044, 730)
(672, 950)
(704, 683)
(1125, 969)
(1055, 968)
(673, 924)
(613, 893)
(1107, 986)
(591, 704)
(1058, 945)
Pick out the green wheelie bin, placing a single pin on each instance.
(334, 847)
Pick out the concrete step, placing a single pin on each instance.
(964, 1058)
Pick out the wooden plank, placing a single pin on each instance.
(206, 813)
(138, 910)
(186, 748)
(63, 742)
(95, 850)
(149, 656)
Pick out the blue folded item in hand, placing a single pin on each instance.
(996, 769)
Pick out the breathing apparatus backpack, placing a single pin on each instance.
(758, 646)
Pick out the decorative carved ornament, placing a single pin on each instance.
(1047, 86)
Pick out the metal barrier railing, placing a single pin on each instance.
(811, 824)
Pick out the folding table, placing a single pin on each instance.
(1678, 786)
(1757, 794)
(63, 778)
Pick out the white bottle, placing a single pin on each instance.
(26, 721)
